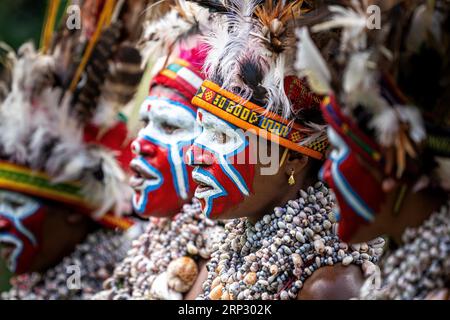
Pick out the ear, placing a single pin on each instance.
(296, 163)
(388, 185)
(74, 217)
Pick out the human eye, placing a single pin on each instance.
(220, 137)
(168, 127)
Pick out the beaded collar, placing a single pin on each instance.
(272, 259)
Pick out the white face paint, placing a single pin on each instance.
(219, 136)
(16, 209)
(170, 128)
(218, 180)
(168, 122)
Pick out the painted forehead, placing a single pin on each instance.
(212, 122)
(163, 106)
(219, 135)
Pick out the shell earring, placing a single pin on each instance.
(291, 180)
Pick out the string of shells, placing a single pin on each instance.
(420, 266)
(95, 258)
(163, 262)
(272, 259)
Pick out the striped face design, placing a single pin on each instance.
(224, 170)
(21, 223)
(162, 181)
(357, 191)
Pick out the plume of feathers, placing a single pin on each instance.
(253, 51)
(183, 20)
(385, 72)
(39, 131)
(37, 121)
(7, 59)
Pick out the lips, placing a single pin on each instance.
(143, 176)
(6, 250)
(9, 250)
(205, 185)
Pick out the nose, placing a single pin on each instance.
(325, 172)
(4, 224)
(143, 147)
(197, 156)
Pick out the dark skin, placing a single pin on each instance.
(63, 229)
(414, 209)
(336, 282)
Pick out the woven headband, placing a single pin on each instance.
(249, 116)
(182, 76)
(24, 180)
(351, 133)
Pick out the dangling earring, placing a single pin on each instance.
(291, 180)
(400, 199)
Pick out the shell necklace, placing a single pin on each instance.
(162, 265)
(420, 266)
(95, 259)
(272, 259)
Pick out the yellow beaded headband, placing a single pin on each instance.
(24, 180)
(249, 116)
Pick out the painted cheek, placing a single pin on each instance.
(5, 224)
(236, 185)
(33, 224)
(163, 200)
(199, 156)
(364, 187)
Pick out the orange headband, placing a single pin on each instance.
(249, 116)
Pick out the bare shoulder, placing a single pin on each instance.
(333, 283)
(197, 287)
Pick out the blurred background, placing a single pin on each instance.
(20, 21)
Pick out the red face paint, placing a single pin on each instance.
(224, 166)
(162, 180)
(358, 192)
(21, 225)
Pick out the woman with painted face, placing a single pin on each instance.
(164, 261)
(389, 127)
(263, 139)
(63, 154)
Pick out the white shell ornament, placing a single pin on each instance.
(181, 274)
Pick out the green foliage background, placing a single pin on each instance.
(21, 20)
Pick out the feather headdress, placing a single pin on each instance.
(62, 138)
(251, 55)
(161, 36)
(395, 78)
(6, 63)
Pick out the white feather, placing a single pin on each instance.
(443, 172)
(30, 119)
(352, 21)
(311, 65)
(387, 124)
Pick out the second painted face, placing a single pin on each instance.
(21, 225)
(162, 180)
(351, 172)
(224, 168)
(358, 192)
